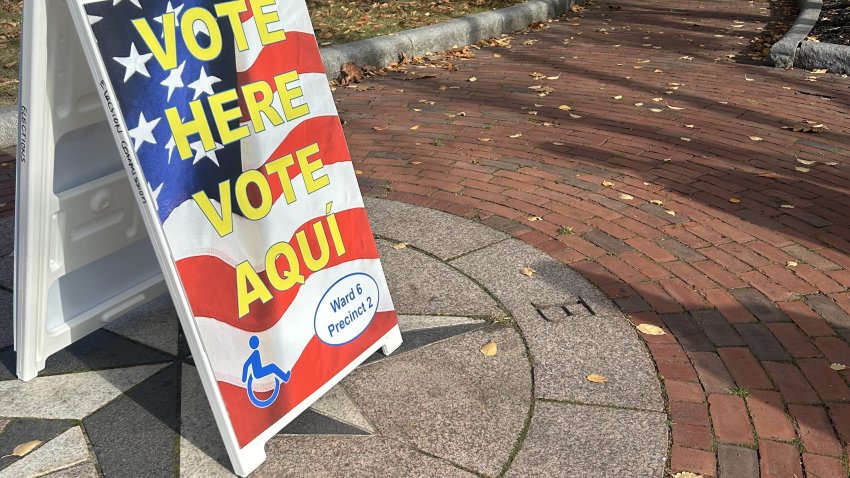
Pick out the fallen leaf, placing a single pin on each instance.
(527, 271)
(756, 138)
(656, 110)
(485, 140)
(564, 108)
(626, 197)
(687, 474)
(748, 78)
(25, 449)
(685, 138)
(734, 200)
(516, 135)
(607, 184)
(416, 162)
(802, 169)
(489, 349)
(832, 163)
(650, 329)
(689, 126)
(400, 246)
(674, 107)
(534, 218)
(358, 171)
(769, 175)
(657, 99)
(786, 206)
(414, 128)
(638, 104)
(670, 212)
(791, 264)
(618, 97)
(596, 378)
(806, 162)
(838, 366)
(472, 79)
(379, 128)
(820, 71)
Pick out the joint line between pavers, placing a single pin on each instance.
(599, 405)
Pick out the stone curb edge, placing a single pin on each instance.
(383, 50)
(784, 52)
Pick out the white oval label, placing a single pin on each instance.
(346, 309)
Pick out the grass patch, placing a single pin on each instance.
(10, 45)
(564, 230)
(343, 21)
(739, 391)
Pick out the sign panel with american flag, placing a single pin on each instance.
(229, 134)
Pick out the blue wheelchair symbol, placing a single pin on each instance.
(254, 369)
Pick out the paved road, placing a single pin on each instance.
(708, 200)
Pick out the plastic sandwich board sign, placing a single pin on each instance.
(227, 129)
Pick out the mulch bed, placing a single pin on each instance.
(833, 26)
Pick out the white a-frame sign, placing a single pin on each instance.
(227, 130)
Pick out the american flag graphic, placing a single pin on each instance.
(206, 262)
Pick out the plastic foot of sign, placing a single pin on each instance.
(392, 341)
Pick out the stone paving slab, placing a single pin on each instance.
(436, 407)
(594, 338)
(592, 441)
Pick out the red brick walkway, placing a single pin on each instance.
(676, 191)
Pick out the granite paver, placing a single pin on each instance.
(436, 407)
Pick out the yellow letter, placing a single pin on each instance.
(287, 95)
(232, 11)
(263, 19)
(246, 274)
(263, 105)
(187, 26)
(292, 276)
(181, 131)
(314, 264)
(336, 236)
(248, 209)
(166, 56)
(308, 168)
(223, 224)
(278, 166)
(223, 117)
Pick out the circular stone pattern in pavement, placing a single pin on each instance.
(129, 398)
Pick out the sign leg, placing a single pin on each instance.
(249, 458)
(392, 341)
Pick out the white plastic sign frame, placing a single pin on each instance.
(337, 296)
(82, 256)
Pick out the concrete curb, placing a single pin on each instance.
(783, 52)
(814, 55)
(8, 126)
(383, 50)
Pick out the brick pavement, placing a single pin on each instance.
(673, 188)
(671, 185)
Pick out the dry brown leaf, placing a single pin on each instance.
(626, 197)
(379, 128)
(689, 126)
(574, 116)
(564, 108)
(489, 349)
(527, 271)
(670, 212)
(607, 184)
(838, 366)
(756, 138)
(734, 200)
(656, 110)
(791, 264)
(416, 162)
(414, 128)
(358, 171)
(650, 329)
(638, 104)
(516, 135)
(534, 218)
(596, 378)
(802, 169)
(618, 97)
(687, 474)
(657, 202)
(769, 175)
(485, 140)
(748, 78)
(806, 162)
(786, 206)
(472, 79)
(400, 246)
(673, 107)
(820, 71)
(25, 449)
